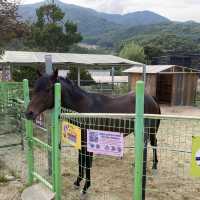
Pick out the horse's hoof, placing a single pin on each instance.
(155, 172)
(76, 187)
(83, 195)
(154, 167)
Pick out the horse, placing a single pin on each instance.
(76, 99)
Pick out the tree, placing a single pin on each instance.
(133, 51)
(84, 75)
(152, 51)
(10, 25)
(21, 72)
(168, 42)
(49, 33)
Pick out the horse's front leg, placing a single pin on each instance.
(81, 163)
(89, 158)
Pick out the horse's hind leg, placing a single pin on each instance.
(89, 158)
(81, 163)
(153, 141)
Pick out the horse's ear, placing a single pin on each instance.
(39, 74)
(54, 76)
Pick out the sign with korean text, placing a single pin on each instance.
(195, 162)
(105, 142)
(71, 134)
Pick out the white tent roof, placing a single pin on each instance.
(24, 57)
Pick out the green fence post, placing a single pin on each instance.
(139, 140)
(56, 143)
(29, 134)
(52, 167)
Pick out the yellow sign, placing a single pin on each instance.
(195, 162)
(71, 134)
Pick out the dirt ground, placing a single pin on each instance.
(112, 178)
(181, 110)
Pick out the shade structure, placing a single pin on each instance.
(25, 57)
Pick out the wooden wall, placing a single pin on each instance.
(181, 91)
(164, 88)
(184, 89)
(132, 79)
(150, 83)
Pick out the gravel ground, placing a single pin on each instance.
(112, 177)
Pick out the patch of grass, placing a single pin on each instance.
(3, 179)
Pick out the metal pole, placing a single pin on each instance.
(139, 140)
(113, 77)
(144, 74)
(79, 77)
(48, 64)
(145, 139)
(49, 70)
(3, 72)
(145, 151)
(57, 142)
(29, 135)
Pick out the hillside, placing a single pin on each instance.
(93, 23)
(136, 18)
(187, 30)
(110, 30)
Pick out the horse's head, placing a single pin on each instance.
(43, 95)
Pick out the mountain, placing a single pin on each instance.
(136, 18)
(109, 30)
(188, 31)
(91, 22)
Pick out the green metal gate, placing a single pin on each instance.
(43, 155)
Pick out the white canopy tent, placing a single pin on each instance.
(64, 60)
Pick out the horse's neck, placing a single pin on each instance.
(78, 100)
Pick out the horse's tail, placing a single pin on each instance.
(159, 112)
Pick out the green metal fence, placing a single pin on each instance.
(43, 155)
(124, 178)
(173, 180)
(11, 114)
(113, 178)
(12, 130)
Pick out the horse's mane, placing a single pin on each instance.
(75, 89)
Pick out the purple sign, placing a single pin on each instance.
(105, 142)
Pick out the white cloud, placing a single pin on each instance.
(180, 10)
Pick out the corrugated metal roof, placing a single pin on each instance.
(153, 69)
(23, 57)
(150, 69)
(108, 79)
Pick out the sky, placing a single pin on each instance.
(177, 10)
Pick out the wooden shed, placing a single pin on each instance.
(170, 84)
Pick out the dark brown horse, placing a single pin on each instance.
(74, 98)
